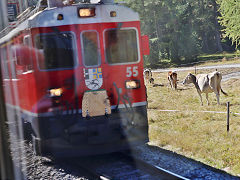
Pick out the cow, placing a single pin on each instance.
(172, 78)
(206, 83)
(147, 73)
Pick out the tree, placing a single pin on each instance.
(179, 30)
(230, 19)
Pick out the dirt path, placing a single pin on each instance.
(231, 75)
(223, 66)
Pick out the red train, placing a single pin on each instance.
(74, 75)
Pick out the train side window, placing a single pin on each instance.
(58, 50)
(4, 62)
(121, 46)
(27, 41)
(90, 50)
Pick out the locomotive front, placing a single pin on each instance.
(88, 59)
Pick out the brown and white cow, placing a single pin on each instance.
(206, 83)
(172, 78)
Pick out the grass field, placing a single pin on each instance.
(220, 58)
(205, 57)
(191, 131)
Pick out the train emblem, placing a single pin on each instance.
(93, 78)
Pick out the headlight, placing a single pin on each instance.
(86, 12)
(132, 84)
(55, 92)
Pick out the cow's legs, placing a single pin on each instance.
(217, 95)
(207, 98)
(170, 82)
(199, 93)
(175, 85)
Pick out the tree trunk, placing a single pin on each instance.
(217, 34)
(218, 41)
(205, 47)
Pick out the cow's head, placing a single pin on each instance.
(190, 78)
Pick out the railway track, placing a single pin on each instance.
(120, 166)
(166, 174)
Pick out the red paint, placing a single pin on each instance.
(29, 91)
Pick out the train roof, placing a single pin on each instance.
(48, 17)
(70, 13)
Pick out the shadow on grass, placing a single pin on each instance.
(152, 108)
(183, 89)
(233, 104)
(157, 85)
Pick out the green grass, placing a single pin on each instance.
(198, 135)
(203, 59)
(218, 56)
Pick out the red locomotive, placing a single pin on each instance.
(74, 73)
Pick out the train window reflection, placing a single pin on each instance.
(91, 54)
(12, 61)
(5, 72)
(121, 46)
(58, 50)
(27, 40)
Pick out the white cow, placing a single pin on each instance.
(147, 73)
(206, 83)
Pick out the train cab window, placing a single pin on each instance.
(27, 41)
(121, 46)
(90, 44)
(58, 50)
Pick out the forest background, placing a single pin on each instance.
(182, 31)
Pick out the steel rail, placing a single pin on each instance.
(139, 166)
(158, 171)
